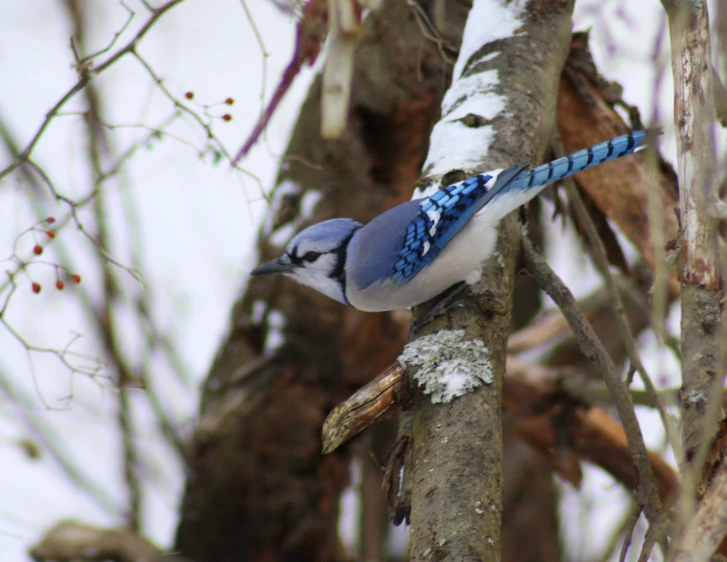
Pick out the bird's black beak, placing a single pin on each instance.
(280, 265)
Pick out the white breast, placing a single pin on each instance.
(460, 260)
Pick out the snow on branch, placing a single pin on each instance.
(498, 111)
(461, 138)
(460, 141)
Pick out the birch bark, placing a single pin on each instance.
(498, 111)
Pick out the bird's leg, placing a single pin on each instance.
(445, 299)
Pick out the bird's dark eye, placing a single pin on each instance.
(311, 256)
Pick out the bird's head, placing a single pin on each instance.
(316, 257)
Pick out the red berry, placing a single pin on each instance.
(36, 287)
(227, 117)
(59, 285)
(229, 101)
(189, 95)
(50, 220)
(51, 234)
(76, 278)
(38, 249)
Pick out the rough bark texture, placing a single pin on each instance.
(702, 362)
(258, 488)
(456, 473)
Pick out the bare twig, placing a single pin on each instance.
(591, 346)
(601, 262)
(310, 34)
(553, 421)
(98, 150)
(633, 518)
(85, 78)
(655, 534)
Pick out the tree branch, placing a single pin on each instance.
(699, 265)
(706, 529)
(591, 346)
(86, 74)
(70, 541)
(456, 469)
(601, 262)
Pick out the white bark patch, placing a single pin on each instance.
(274, 339)
(447, 365)
(454, 145)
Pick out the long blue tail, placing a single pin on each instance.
(581, 160)
(491, 196)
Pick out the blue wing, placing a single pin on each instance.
(445, 213)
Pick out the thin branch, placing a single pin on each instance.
(600, 260)
(553, 421)
(99, 149)
(310, 33)
(591, 346)
(633, 518)
(84, 79)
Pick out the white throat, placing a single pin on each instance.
(318, 277)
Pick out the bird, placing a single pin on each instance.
(428, 246)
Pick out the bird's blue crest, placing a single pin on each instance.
(327, 233)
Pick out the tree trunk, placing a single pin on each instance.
(456, 469)
(258, 487)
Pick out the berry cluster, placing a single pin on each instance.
(227, 101)
(38, 250)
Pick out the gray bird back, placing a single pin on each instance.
(375, 247)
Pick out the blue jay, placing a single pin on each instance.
(420, 249)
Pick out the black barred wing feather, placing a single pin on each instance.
(445, 213)
(440, 217)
